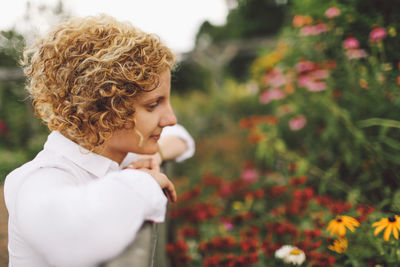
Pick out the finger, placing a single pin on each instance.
(154, 165)
(142, 163)
(171, 190)
(167, 194)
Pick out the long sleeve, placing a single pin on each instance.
(84, 224)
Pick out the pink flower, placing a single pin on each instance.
(332, 12)
(296, 123)
(316, 86)
(355, 53)
(307, 30)
(250, 175)
(274, 78)
(228, 225)
(321, 27)
(304, 66)
(319, 74)
(312, 80)
(313, 30)
(272, 94)
(377, 34)
(351, 43)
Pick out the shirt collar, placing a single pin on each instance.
(89, 161)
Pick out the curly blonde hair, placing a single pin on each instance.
(85, 74)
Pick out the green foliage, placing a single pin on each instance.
(246, 20)
(350, 134)
(325, 112)
(189, 76)
(22, 135)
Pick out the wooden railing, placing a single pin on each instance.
(141, 252)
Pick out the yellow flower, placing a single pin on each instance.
(391, 224)
(339, 245)
(338, 225)
(392, 31)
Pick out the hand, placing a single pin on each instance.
(151, 162)
(166, 185)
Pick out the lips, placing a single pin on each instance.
(155, 137)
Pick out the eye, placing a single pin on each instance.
(153, 105)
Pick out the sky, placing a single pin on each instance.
(175, 21)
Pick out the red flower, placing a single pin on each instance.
(191, 194)
(364, 211)
(323, 200)
(377, 34)
(218, 244)
(177, 253)
(209, 179)
(269, 248)
(242, 217)
(312, 234)
(3, 127)
(252, 121)
(251, 232)
(259, 193)
(296, 181)
(277, 190)
(283, 228)
(249, 245)
(339, 207)
(188, 232)
(320, 259)
(246, 260)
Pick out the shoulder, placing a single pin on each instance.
(35, 174)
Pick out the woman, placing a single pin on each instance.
(103, 88)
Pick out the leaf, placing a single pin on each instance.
(378, 122)
(396, 202)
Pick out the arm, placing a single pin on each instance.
(84, 224)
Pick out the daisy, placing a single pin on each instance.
(338, 226)
(392, 224)
(291, 254)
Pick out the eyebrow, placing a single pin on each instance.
(153, 99)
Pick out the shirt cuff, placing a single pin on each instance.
(148, 188)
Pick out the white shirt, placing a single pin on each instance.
(72, 208)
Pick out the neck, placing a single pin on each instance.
(105, 152)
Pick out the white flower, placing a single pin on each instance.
(290, 254)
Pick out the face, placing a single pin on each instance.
(152, 113)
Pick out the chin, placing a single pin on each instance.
(149, 150)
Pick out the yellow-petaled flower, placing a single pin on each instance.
(392, 224)
(339, 245)
(338, 226)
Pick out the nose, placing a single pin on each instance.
(168, 117)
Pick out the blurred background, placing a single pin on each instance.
(294, 106)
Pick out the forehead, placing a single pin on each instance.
(161, 90)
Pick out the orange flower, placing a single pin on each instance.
(392, 224)
(339, 245)
(338, 226)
